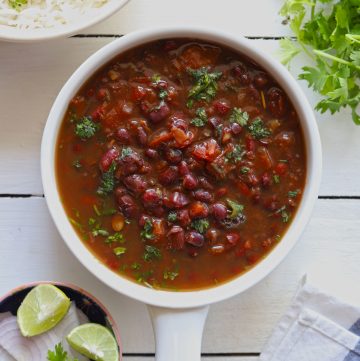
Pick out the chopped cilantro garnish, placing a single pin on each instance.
(116, 237)
(59, 354)
(205, 85)
(276, 178)
(172, 217)
(170, 275)
(100, 232)
(96, 210)
(135, 266)
(244, 170)
(201, 118)
(285, 216)
(108, 181)
(155, 78)
(151, 253)
(200, 225)
(238, 116)
(118, 251)
(125, 152)
(163, 94)
(258, 129)
(77, 164)
(293, 194)
(236, 208)
(236, 154)
(86, 128)
(147, 232)
(91, 221)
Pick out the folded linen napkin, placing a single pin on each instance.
(316, 327)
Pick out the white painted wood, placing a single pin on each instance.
(32, 75)
(31, 249)
(212, 358)
(253, 18)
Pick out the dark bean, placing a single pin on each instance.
(120, 191)
(218, 211)
(236, 128)
(217, 249)
(135, 183)
(108, 158)
(212, 235)
(194, 238)
(142, 136)
(152, 198)
(204, 183)
(190, 182)
(233, 238)
(127, 206)
(260, 80)
(176, 200)
(123, 135)
(158, 211)
(203, 195)
(176, 237)
(142, 219)
(173, 156)
(151, 153)
(182, 216)
(159, 114)
(183, 168)
(214, 121)
(168, 176)
(276, 102)
(266, 180)
(198, 210)
(221, 106)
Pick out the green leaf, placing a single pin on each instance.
(151, 253)
(86, 128)
(200, 225)
(236, 208)
(118, 251)
(59, 354)
(107, 181)
(258, 130)
(147, 232)
(238, 116)
(288, 50)
(201, 118)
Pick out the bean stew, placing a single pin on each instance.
(181, 164)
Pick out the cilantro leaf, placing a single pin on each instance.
(86, 128)
(238, 116)
(200, 225)
(258, 130)
(201, 118)
(59, 354)
(151, 253)
(205, 86)
(288, 50)
(147, 232)
(236, 208)
(107, 181)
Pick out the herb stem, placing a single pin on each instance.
(334, 58)
(353, 37)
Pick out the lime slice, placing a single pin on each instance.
(42, 308)
(94, 341)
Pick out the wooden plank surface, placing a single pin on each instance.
(24, 112)
(252, 18)
(31, 249)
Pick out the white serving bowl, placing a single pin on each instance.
(12, 34)
(189, 321)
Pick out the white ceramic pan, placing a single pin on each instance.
(178, 317)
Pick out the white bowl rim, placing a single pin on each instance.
(218, 293)
(11, 34)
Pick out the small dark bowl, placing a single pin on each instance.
(88, 304)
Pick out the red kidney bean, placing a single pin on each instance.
(189, 182)
(127, 206)
(142, 136)
(122, 135)
(221, 192)
(236, 128)
(214, 121)
(183, 217)
(218, 211)
(135, 183)
(194, 238)
(203, 195)
(266, 180)
(170, 45)
(221, 106)
(261, 80)
(108, 158)
(276, 102)
(183, 168)
(217, 249)
(158, 211)
(198, 210)
(173, 156)
(142, 219)
(232, 238)
(203, 182)
(152, 198)
(176, 200)
(242, 74)
(212, 235)
(151, 153)
(168, 176)
(176, 237)
(159, 114)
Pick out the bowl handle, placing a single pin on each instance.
(178, 332)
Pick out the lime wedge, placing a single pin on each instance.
(42, 308)
(94, 341)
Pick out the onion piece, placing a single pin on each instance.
(4, 356)
(36, 348)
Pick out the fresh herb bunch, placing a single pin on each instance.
(59, 354)
(327, 31)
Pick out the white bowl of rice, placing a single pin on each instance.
(36, 20)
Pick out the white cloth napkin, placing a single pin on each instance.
(316, 327)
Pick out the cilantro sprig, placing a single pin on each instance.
(328, 32)
(59, 354)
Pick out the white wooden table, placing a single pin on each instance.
(31, 248)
